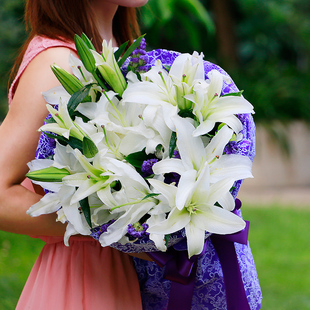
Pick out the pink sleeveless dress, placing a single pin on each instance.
(83, 276)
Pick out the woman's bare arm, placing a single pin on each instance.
(19, 138)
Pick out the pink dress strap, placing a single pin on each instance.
(37, 45)
(83, 276)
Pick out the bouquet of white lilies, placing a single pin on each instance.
(140, 151)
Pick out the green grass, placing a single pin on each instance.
(17, 255)
(280, 241)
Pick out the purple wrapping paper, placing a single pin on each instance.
(209, 290)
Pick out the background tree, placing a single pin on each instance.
(264, 46)
(12, 36)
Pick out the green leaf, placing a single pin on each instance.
(86, 211)
(73, 142)
(149, 196)
(53, 136)
(131, 48)
(87, 41)
(136, 159)
(172, 144)
(89, 148)
(50, 174)
(78, 114)
(120, 50)
(186, 113)
(77, 98)
(237, 94)
(167, 238)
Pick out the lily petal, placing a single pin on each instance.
(48, 204)
(195, 239)
(176, 221)
(185, 188)
(218, 221)
(191, 148)
(232, 166)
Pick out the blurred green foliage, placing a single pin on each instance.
(274, 51)
(12, 36)
(269, 59)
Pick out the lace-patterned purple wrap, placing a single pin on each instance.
(209, 290)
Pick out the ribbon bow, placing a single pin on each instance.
(182, 271)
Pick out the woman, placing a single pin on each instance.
(84, 275)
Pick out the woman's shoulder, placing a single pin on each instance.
(39, 44)
(35, 47)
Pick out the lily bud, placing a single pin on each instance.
(114, 78)
(88, 42)
(85, 54)
(50, 174)
(70, 83)
(109, 69)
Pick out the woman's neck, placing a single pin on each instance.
(104, 13)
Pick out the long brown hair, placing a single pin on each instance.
(62, 19)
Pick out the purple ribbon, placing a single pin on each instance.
(226, 252)
(182, 271)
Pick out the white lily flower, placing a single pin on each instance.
(194, 158)
(60, 202)
(95, 110)
(72, 211)
(185, 71)
(210, 108)
(199, 214)
(156, 89)
(89, 130)
(49, 203)
(79, 70)
(158, 214)
(64, 125)
(158, 239)
(168, 90)
(128, 205)
(188, 68)
(56, 95)
(89, 181)
(70, 231)
(125, 123)
(65, 158)
(119, 228)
